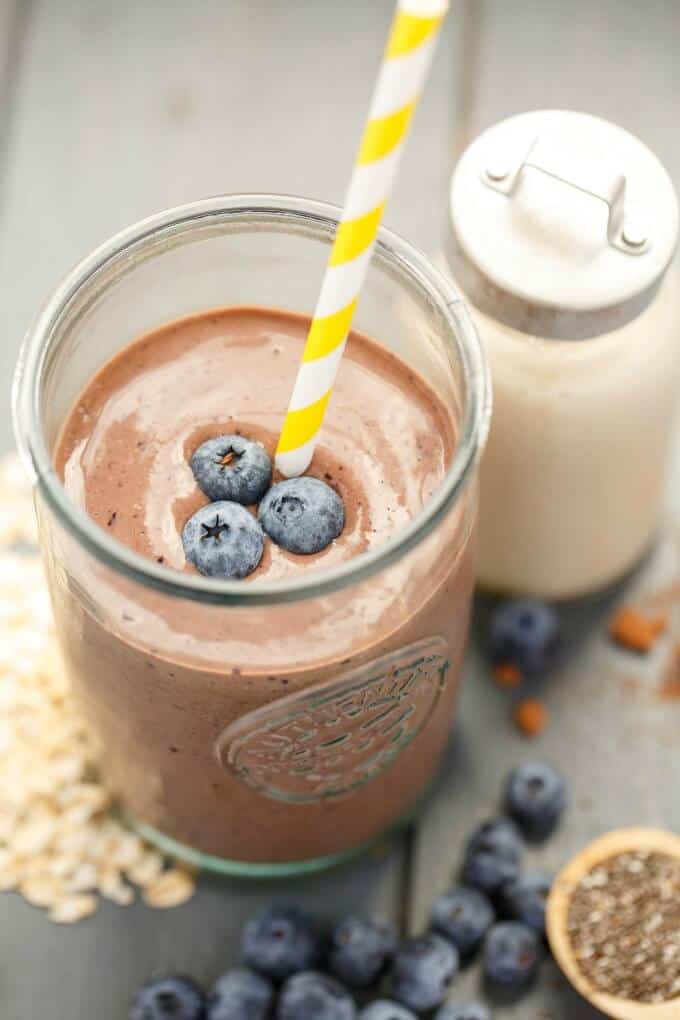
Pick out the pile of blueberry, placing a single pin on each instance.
(224, 539)
(292, 973)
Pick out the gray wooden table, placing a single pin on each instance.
(110, 111)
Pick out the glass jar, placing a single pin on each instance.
(562, 230)
(269, 727)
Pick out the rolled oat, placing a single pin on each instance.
(170, 889)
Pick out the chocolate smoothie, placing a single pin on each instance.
(279, 732)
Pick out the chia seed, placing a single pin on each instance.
(624, 926)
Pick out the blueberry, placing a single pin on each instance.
(525, 634)
(309, 995)
(423, 970)
(360, 949)
(535, 796)
(384, 1009)
(171, 998)
(492, 856)
(463, 915)
(240, 995)
(279, 942)
(223, 540)
(512, 953)
(525, 899)
(488, 870)
(232, 468)
(302, 515)
(497, 835)
(463, 1011)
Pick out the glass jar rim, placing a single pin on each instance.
(293, 211)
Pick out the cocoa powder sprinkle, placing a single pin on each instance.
(624, 926)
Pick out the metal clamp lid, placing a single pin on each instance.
(538, 254)
(625, 231)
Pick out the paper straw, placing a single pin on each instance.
(408, 55)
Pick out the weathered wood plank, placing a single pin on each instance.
(11, 20)
(124, 109)
(610, 734)
(615, 59)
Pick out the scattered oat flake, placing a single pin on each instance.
(636, 630)
(9, 879)
(531, 717)
(60, 846)
(33, 837)
(81, 878)
(42, 891)
(114, 888)
(127, 850)
(70, 909)
(170, 889)
(146, 870)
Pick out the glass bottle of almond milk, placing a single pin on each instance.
(563, 227)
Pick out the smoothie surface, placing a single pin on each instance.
(125, 449)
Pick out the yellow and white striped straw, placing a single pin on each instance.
(408, 55)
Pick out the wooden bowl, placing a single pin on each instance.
(610, 845)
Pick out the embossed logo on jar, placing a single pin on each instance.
(328, 740)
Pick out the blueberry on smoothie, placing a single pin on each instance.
(311, 994)
(232, 468)
(303, 515)
(240, 995)
(223, 540)
(360, 949)
(423, 971)
(385, 1009)
(170, 998)
(279, 942)
(512, 953)
(463, 1011)
(525, 899)
(535, 796)
(462, 915)
(524, 634)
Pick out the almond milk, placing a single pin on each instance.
(563, 229)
